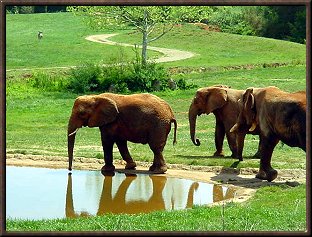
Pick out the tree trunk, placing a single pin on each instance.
(144, 39)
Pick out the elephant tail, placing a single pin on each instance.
(174, 121)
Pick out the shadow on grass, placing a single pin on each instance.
(214, 157)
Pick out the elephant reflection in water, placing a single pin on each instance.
(218, 193)
(118, 203)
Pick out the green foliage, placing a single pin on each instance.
(85, 78)
(133, 77)
(48, 81)
(148, 77)
(279, 22)
(230, 20)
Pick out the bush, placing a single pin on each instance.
(122, 78)
(85, 78)
(116, 78)
(148, 77)
(48, 82)
(230, 20)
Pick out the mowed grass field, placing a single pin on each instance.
(36, 120)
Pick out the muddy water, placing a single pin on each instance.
(41, 193)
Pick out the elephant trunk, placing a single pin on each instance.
(193, 112)
(71, 134)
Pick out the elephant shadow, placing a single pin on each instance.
(117, 202)
(200, 157)
(231, 176)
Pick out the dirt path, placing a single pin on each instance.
(169, 55)
(243, 180)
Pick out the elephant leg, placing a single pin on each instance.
(266, 172)
(159, 164)
(123, 149)
(156, 201)
(258, 153)
(231, 137)
(219, 138)
(108, 153)
(240, 139)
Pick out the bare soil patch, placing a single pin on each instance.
(243, 180)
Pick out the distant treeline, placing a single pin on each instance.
(279, 22)
(35, 9)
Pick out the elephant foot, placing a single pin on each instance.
(218, 154)
(269, 175)
(108, 168)
(235, 156)
(158, 169)
(130, 165)
(240, 158)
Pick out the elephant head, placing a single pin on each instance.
(91, 111)
(247, 116)
(206, 100)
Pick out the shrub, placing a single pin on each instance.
(147, 77)
(117, 78)
(230, 20)
(48, 82)
(85, 78)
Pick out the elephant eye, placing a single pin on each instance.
(82, 114)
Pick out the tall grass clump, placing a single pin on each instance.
(48, 81)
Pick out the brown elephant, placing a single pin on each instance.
(279, 115)
(139, 118)
(222, 101)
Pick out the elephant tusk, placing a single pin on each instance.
(73, 132)
(234, 128)
(253, 127)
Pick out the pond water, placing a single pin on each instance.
(42, 193)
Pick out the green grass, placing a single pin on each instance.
(67, 33)
(215, 49)
(276, 215)
(36, 120)
(33, 114)
(63, 43)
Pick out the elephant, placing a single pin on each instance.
(222, 101)
(139, 118)
(279, 115)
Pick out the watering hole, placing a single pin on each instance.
(43, 193)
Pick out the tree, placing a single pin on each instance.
(146, 19)
(279, 22)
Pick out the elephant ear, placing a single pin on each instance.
(106, 112)
(249, 99)
(216, 98)
(249, 108)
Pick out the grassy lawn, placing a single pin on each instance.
(63, 42)
(33, 114)
(36, 120)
